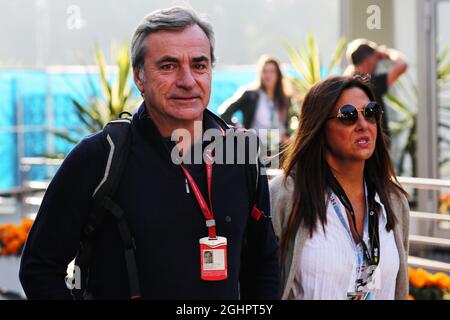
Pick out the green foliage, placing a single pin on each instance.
(443, 61)
(116, 97)
(404, 102)
(308, 63)
(427, 293)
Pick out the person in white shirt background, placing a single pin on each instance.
(264, 104)
(339, 212)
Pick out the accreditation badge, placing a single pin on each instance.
(359, 295)
(369, 281)
(213, 259)
(373, 278)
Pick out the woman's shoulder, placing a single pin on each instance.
(280, 181)
(398, 199)
(281, 187)
(246, 94)
(251, 92)
(281, 201)
(400, 208)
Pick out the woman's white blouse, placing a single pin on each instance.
(328, 259)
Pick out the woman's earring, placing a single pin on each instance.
(142, 94)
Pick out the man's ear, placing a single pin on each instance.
(137, 80)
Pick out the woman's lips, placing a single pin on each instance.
(363, 142)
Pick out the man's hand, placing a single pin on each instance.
(398, 62)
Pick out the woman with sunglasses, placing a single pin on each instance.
(338, 210)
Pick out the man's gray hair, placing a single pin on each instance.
(175, 18)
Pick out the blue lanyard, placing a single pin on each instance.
(339, 192)
(337, 209)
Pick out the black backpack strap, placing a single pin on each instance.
(256, 227)
(117, 135)
(252, 175)
(129, 246)
(252, 167)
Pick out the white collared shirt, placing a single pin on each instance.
(266, 115)
(328, 259)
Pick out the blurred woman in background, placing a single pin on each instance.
(264, 105)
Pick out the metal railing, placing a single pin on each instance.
(418, 183)
(428, 184)
(424, 183)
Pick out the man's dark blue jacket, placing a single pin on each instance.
(164, 219)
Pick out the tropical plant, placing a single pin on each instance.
(403, 100)
(443, 61)
(116, 96)
(307, 62)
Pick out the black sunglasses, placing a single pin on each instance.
(348, 114)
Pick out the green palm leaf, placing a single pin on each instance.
(314, 59)
(299, 65)
(399, 105)
(337, 54)
(307, 62)
(107, 90)
(115, 96)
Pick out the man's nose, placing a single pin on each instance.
(186, 78)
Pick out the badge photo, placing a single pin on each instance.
(213, 259)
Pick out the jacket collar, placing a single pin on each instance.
(210, 120)
(151, 133)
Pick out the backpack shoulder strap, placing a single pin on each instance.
(117, 137)
(252, 166)
(252, 175)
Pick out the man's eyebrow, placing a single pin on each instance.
(173, 59)
(166, 59)
(200, 59)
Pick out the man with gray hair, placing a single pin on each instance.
(174, 212)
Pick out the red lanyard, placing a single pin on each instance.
(207, 212)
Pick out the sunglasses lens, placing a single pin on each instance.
(348, 114)
(372, 112)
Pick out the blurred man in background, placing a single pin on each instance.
(364, 57)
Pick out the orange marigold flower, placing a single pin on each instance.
(14, 246)
(419, 279)
(10, 234)
(6, 251)
(26, 225)
(442, 281)
(13, 237)
(22, 236)
(431, 280)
